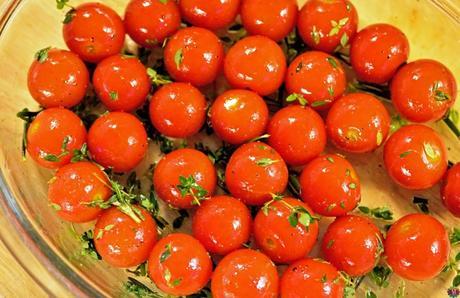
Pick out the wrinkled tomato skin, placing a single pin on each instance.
(210, 14)
(450, 190)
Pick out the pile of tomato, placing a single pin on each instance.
(316, 107)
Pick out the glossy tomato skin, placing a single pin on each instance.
(415, 157)
(178, 110)
(222, 224)
(185, 163)
(417, 247)
(316, 27)
(48, 134)
(149, 22)
(273, 19)
(423, 90)
(238, 116)
(121, 241)
(377, 51)
(352, 244)
(179, 265)
(254, 172)
(297, 133)
(118, 140)
(210, 14)
(94, 32)
(256, 63)
(450, 190)
(330, 186)
(358, 122)
(245, 273)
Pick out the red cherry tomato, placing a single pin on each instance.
(149, 22)
(118, 140)
(238, 116)
(327, 25)
(256, 63)
(415, 157)
(121, 241)
(417, 247)
(330, 185)
(358, 123)
(245, 273)
(94, 31)
(377, 51)
(450, 191)
(210, 14)
(254, 172)
(53, 136)
(178, 110)
(297, 133)
(353, 244)
(423, 90)
(179, 265)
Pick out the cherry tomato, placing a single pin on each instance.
(377, 51)
(149, 22)
(222, 224)
(194, 55)
(327, 25)
(118, 140)
(256, 63)
(238, 116)
(121, 241)
(450, 191)
(297, 133)
(178, 110)
(245, 273)
(179, 265)
(330, 186)
(189, 164)
(358, 122)
(210, 14)
(121, 83)
(329, 81)
(53, 136)
(273, 19)
(254, 172)
(417, 247)
(415, 157)
(94, 31)
(423, 90)
(353, 244)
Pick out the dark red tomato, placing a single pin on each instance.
(149, 22)
(74, 186)
(121, 83)
(210, 14)
(417, 247)
(278, 238)
(222, 224)
(121, 241)
(94, 31)
(353, 244)
(53, 136)
(377, 51)
(181, 164)
(179, 265)
(194, 55)
(118, 140)
(178, 110)
(415, 157)
(450, 191)
(273, 19)
(311, 278)
(297, 133)
(57, 78)
(423, 90)
(330, 185)
(255, 172)
(329, 83)
(358, 122)
(256, 63)
(326, 25)
(245, 273)
(238, 116)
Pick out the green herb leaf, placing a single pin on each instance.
(382, 213)
(158, 79)
(163, 1)
(397, 122)
(430, 151)
(347, 172)
(140, 270)
(293, 220)
(189, 186)
(330, 243)
(344, 40)
(319, 103)
(265, 162)
(330, 90)
(297, 97)
(64, 152)
(60, 4)
(42, 55)
(166, 253)
(315, 35)
(80, 154)
(69, 16)
(113, 95)
(380, 275)
(87, 245)
(332, 62)
(453, 116)
(401, 291)
(352, 185)
(336, 26)
(330, 159)
(178, 57)
(379, 138)
(439, 95)
(370, 294)
(139, 290)
(55, 206)
(404, 154)
(323, 278)
(454, 236)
